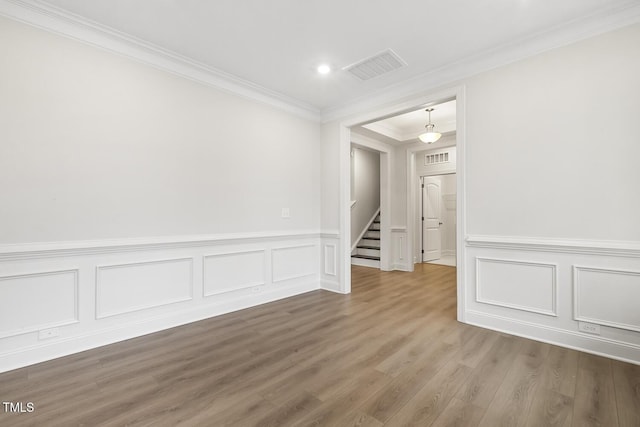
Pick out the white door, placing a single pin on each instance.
(431, 236)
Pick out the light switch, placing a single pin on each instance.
(286, 213)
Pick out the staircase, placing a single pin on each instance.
(367, 251)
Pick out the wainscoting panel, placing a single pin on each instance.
(39, 300)
(607, 297)
(581, 294)
(59, 298)
(529, 286)
(294, 262)
(400, 259)
(124, 288)
(330, 260)
(230, 272)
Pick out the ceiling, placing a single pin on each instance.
(405, 128)
(276, 45)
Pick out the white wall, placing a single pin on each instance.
(550, 155)
(552, 149)
(365, 178)
(134, 200)
(97, 146)
(562, 126)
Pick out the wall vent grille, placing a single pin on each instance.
(375, 66)
(432, 159)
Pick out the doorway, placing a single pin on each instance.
(403, 239)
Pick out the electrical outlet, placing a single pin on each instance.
(256, 289)
(45, 334)
(590, 328)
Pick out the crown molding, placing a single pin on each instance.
(50, 18)
(571, 32)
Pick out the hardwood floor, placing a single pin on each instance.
(389, 354)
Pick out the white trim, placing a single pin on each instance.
(576, 289)
(330, 234)
(78, 28)
(537, 244)
(593, 344)
(99, 268)
(599, 22)
(331, 286)
(295, 276)
(554, 284)
(76, 309)
(17, 251)
(57, 20)
(232, 289)
(334, 259)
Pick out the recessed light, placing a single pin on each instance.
(324, 69)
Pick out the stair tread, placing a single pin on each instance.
(370, 238)
(375, 258)
(368, 247)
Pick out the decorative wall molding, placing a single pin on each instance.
(56, 20)
(330, 234)
(509, 275)
(400, 261)
(115, 296)
(610, 300)
(140, 282)
(588, 247)
(26, 293)
(18, 251)
(61, 22)
(330, 259)
(239, 272)
(297, 265)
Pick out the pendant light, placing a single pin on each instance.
(429, 137)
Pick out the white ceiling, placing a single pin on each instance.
(276, 45)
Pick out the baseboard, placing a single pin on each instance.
(400, 267)
(592, 344)
(331, 286)
(46, 351)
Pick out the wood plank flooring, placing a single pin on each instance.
(389, 354)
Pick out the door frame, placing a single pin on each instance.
(385, 195)
(410, 103)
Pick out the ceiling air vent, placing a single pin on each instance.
(375, 66)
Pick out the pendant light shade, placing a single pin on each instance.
(430, 136)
